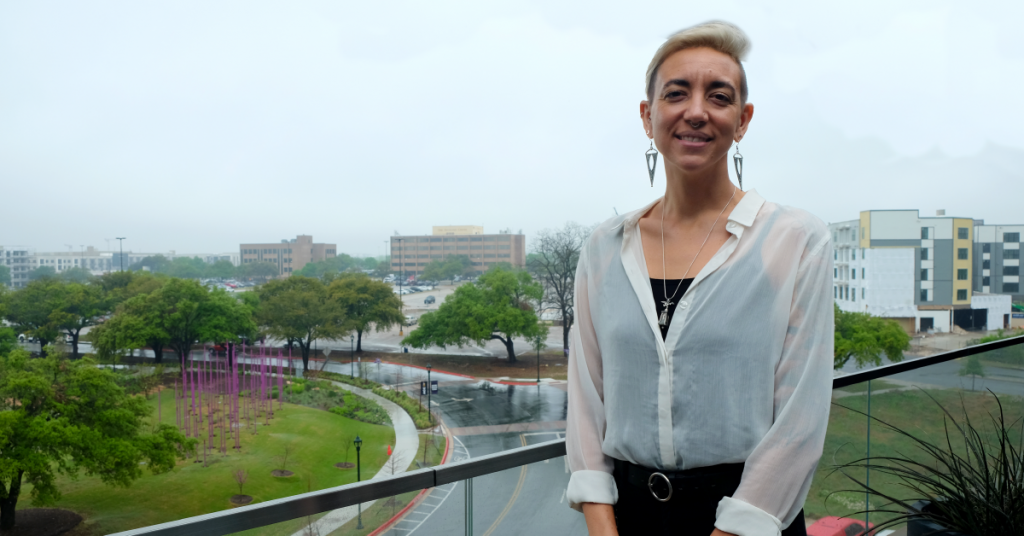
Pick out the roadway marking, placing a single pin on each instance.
(459, 453)
(515, 495)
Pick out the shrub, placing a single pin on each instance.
(410, 405)
(361, 409)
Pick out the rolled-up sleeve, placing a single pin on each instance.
(778, 472)
(591, 479)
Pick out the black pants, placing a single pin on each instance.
(687, 513)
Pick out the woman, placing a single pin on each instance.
(701, 359)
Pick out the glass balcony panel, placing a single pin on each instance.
(970, 388)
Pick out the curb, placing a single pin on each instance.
(449, 447)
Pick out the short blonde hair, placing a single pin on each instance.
(724, 37)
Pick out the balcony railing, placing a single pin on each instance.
(317, 502)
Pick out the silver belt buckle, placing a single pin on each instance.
(650, 486)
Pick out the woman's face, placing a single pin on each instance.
(696, 114)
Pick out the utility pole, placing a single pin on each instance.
(401, 271)
(120, 242)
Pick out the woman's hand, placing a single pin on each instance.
(717, 532)
(600, 519)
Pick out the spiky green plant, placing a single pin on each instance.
(974, 485)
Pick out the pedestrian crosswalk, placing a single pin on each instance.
(433, 500)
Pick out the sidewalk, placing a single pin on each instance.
(407, 443)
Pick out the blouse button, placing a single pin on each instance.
(683, 305)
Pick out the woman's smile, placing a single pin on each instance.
(694, 139)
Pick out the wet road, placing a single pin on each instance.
(485, 418)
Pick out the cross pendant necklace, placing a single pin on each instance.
(663, 319)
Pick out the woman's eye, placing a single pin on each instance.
(673, 94)
(721, 98)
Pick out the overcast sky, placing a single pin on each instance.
(195, 126)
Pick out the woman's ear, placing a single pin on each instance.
(745, 115)
(645, 117)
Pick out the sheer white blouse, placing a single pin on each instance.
(744, 375)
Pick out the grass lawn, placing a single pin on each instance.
(912, 411)
(317, 440)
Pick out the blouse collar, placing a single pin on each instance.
(743, 214)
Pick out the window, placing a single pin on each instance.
(504, 247)
(985, 281)
(924, 274)
(961, 253)
(853, 274)
(1011, 237)
(924, 254)
(1011, 253)
(986, 264)
(924, 233)
(961, 294)
(1011, 287)
(862, 231)
(835, 254)
(476, 239)
(863, 292)
(1011, 270)
(986, 248)
(854, 254)
(847, 293)
(862, 254)
(835, 292)
(862, 273)
(961, 274)
(961, 233)
(854, 295)
(924, 294)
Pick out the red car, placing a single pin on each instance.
(838, 526)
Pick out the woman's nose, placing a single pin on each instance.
(695, 114)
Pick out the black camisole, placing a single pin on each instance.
(659, 286)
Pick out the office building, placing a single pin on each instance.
(411, 254)
(288, 255)
(919, 271)
(20, 260)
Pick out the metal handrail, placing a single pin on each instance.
(315, 502)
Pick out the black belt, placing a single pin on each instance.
(721, 479)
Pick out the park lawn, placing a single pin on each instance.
(317, 440)
(862, 387)
(912, 411)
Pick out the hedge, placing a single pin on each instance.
(419, 414)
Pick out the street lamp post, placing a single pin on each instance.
(430, 388)
(359, 444)
(538, 364)
(401, 276)
(352, 356)
(120, 244)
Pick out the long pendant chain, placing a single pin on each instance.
(663, 319)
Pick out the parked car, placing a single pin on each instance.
(410, 320)
(429, 299)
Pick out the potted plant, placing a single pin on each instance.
(972, 483)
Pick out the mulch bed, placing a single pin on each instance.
(240, 500)
(344, 465)
(43, 522)
(281, 473)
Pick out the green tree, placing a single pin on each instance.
(76, 275)
(497, 307)
(42, 272)
(187, 268)
(154, 263)
(865, 338)
(337, 264)
(61, 417)
(258, 270)
(299, 309)
(74, 307)
(28, 309)
(452, 266)
(181, 313)
(5, 276)
(972, 367)
(368, 304)
(221, 269)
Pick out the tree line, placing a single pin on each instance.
(124, 312)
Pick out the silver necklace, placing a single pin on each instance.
(663, 319)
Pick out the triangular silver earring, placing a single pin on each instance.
(737, 160)
(652, 161)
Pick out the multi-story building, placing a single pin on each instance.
(20, 260)
(997, 259)
(411, 254)
(97, 262)
(288, 255)
(919, 271)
